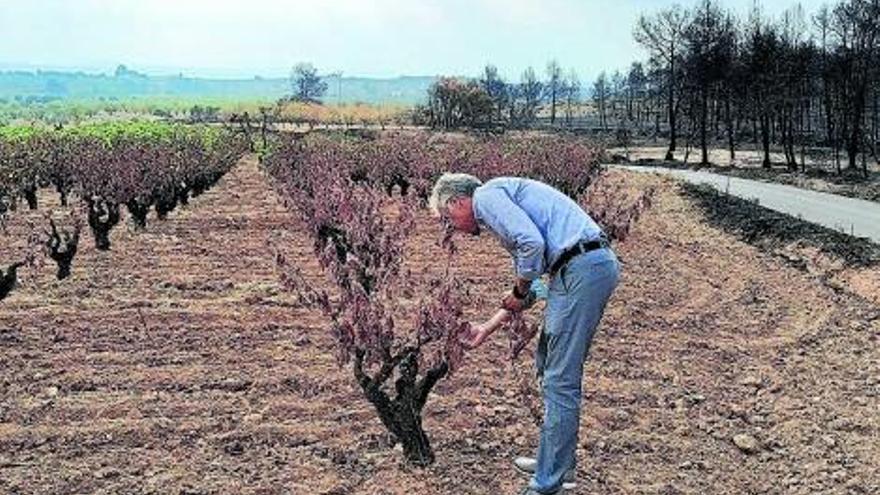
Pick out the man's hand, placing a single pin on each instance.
(513, 304)
(475, 336)
(518, 299)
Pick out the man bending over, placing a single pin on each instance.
(546, 232)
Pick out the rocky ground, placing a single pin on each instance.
(175, 365)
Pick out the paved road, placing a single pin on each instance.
(853, 216)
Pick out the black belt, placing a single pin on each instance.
(578, 249)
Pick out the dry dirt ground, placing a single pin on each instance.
(175, 365)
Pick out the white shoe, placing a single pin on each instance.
(527, 465)
(529, 491)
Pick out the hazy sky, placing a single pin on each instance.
(241, 38)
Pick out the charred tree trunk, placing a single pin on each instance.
(731, 128)
(657, 116)
(837, 158)
(755, 134)
(788, 138)
(852, 148)
(704, 117)
(875, 124)
(765, 139)
(670, 154)
(716, 116)
(804, 130)
(829, 119)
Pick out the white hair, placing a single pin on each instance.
(450, 186)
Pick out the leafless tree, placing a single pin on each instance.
(856, 26)
(497, 89)
(554, 87)
(601, 92)
(708, 42)
(662, 35)
(572, 93)
(530, 91)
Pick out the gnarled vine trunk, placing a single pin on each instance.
(63, 192)
(138, 211)
(30, 195)
(402, 415)
(9, 279)
(166, 202)
(103, 216)
(183, 195)
(62, 247)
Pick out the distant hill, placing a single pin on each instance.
(124, 83)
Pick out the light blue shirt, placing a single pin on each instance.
(535, 222)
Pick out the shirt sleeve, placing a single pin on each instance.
(507, 220)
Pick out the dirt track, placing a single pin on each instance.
(174, 365)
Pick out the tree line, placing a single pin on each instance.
(800, 81)
(803, 82)
(491, 101)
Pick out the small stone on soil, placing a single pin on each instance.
(746, 443)
(751, 380)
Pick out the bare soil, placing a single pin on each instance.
(174, 364)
